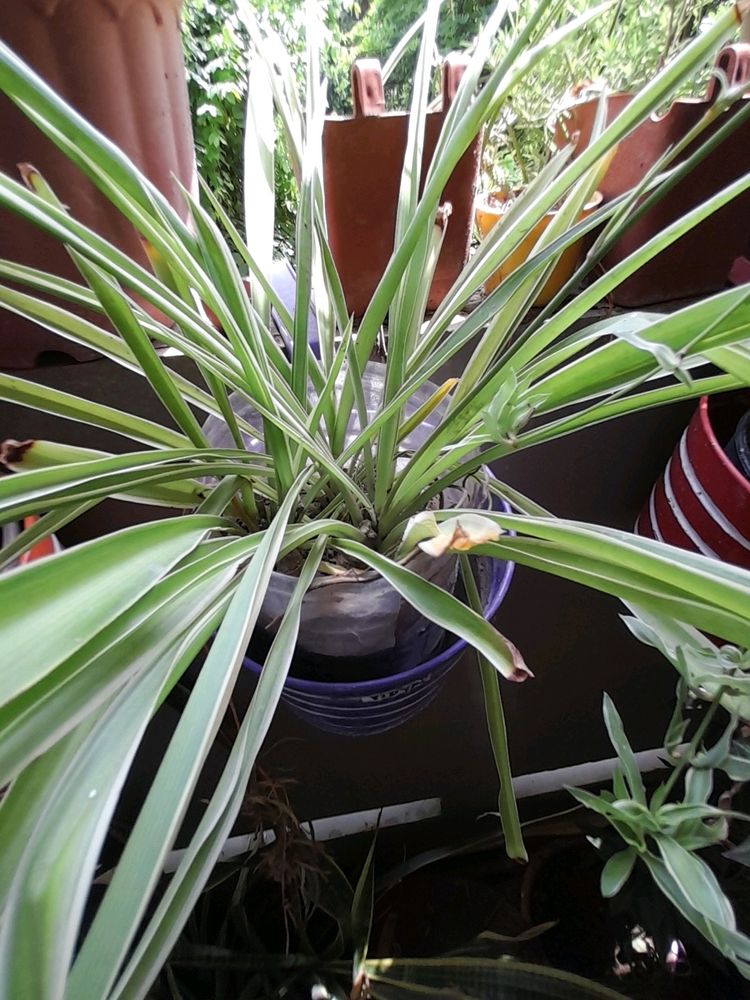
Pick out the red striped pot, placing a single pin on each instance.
(702, 502)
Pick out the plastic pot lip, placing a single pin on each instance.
(484, 204)
(379, 684)
(704, 421)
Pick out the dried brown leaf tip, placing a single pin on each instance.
(12, 452)
(520, 671)
(28, 173)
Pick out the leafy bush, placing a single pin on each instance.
(216, 73)
(215, 44)
(386, 21)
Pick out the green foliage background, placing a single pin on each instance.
(386, 21)
(624, 47)
(215, 46)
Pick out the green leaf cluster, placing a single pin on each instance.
(665, 831)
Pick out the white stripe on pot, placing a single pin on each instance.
(701, 545)
(707, 503)
(653, 519)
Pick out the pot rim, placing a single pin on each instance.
(482, 204)
(704, 420)
(379, 684)
(626, 96)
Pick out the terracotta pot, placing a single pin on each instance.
(700, 261)
(119, 63)
(490, 208)
(362, 161)
(702, 501)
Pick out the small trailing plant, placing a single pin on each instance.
(666, 830)
(102, 632)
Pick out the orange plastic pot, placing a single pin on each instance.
(490, 208)
(47, 546)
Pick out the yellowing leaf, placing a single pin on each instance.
(418, 528)
(461, 534)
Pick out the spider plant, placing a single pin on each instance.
(668, 829)
(97, 636)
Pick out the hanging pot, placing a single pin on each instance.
(119, 63)
(362, 162)
(702, 501)
(700, 261)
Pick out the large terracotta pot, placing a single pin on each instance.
(118, 62)
(362, 161)
(490, 209)
(700, 261)
(702, 501)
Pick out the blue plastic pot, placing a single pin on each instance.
(363, 708)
